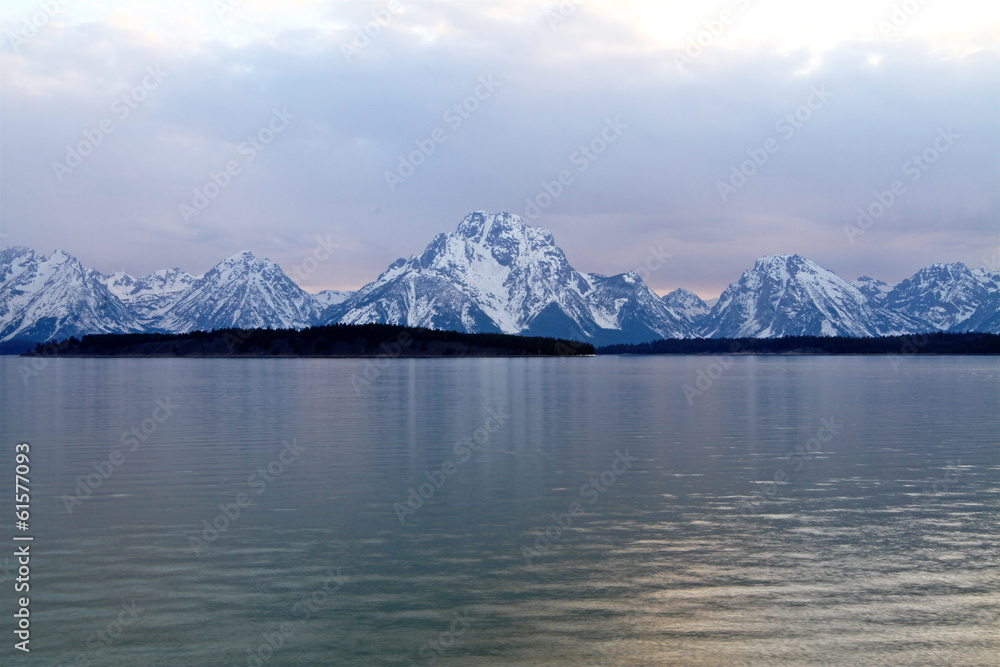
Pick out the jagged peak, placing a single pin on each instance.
(682, 292)
(241, 256)
(18, 250)
(166, 273)
(246, 259)
(784, 260)
(478, 223)
(120, 277)
(947, 267)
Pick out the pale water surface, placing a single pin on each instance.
(879, 543)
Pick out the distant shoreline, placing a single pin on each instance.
(923, 344)
(381, 340)
(333, 341)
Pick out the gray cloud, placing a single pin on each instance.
(656, 185)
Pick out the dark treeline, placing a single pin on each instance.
(333, 340)
(933, 343)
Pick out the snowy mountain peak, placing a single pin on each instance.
(240, 291)
(946, 295)
(789, 263)
(243, 259)
(495, 273)
(477, 225)
(786, 295)
(874, 289)
(687, 305)
(42, 298)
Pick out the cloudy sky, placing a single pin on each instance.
(140, 136)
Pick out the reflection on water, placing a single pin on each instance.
(805, 510)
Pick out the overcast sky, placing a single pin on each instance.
(117, 116)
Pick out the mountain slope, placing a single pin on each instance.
(150, 297)
(42, 298)
(331, 297)
(687, 305)
(494, 273)
(241, 291)
(788, 295)
(874, 289)
(946, 295)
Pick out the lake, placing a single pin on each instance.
(790, 510)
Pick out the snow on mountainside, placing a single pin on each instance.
(788, 295)
(331, 297)
(496, 274)
(493, 274)
(946, 295)
(987, 316)
(241, 291)
(874, 289)
(989, 279)
(55, 297)
(151, 296)
(687, 305)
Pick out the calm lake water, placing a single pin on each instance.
(596, 511)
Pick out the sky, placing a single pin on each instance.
(683, 140)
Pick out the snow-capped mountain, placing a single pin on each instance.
(874, 289)
(241, 291)
(989, 279)
(688, 306)
(788, 295)
(150, 297)
(496, 274)
(332, 297)
(946, 295)
(493, 274)
(42, 298)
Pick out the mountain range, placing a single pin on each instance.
(492, 274)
